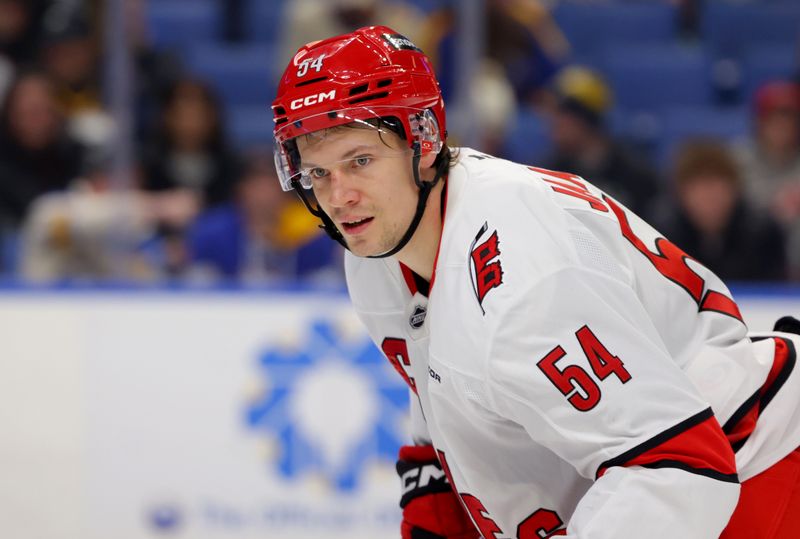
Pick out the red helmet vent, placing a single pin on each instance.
(383, 83)
(369, 97)
(310, 81)
(359, 89)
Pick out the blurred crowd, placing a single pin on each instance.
(195, 203)
(189, 205)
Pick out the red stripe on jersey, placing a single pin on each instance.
(408, 275)
(696, 445)
(445, 466)
(714, 301)
(742, 423)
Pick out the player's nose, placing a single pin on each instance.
(343, 191)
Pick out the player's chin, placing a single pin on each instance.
(363, 247)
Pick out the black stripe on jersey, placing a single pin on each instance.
(414, 281)
(713, 474)
(423, 286)
(737, 416)
(782, 376)
(659, 439)
(769, 394)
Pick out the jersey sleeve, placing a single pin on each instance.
(576, 362)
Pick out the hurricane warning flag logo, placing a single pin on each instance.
(330, 405)
(486, 271)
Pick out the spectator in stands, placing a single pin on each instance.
(583, 145)
(771, 159)
(493, 104)
(520, 35)
(91, 231)
(18, 37)
(36, 153)
(156, 69)
(310, 20)
(711, 219)
(70, 57)
(19, 30)
(189, 150)
(264, 235)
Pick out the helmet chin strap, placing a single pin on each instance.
(425, 188)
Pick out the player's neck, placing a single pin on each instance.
(419, 255)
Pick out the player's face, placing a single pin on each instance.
(362, 179)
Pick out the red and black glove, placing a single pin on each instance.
(431, 509)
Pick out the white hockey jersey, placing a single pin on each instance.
(567, 360)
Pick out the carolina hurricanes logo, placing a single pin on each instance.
(486, 272)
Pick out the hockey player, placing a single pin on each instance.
(573, 373)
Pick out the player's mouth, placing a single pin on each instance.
(356, 226)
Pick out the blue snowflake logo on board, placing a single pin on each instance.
(330, 403)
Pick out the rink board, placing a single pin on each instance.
(205, 415)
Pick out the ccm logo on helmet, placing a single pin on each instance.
(311, 99)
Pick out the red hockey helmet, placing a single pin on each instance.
(368, 74)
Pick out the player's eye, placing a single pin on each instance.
(362, 161)
(317, 173)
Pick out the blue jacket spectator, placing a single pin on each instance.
(219, 240)
(265, 235)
